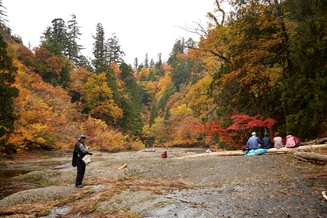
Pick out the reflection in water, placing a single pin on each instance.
(8, 186)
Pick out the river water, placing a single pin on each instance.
(8, 186)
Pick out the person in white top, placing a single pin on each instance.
(278, 141)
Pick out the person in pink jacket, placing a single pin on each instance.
(290, 140)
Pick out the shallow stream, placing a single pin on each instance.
(10, 186)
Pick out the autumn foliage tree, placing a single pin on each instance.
(7, 95)
(48, 120)
(180, 121)
(235, 135)
(98, 100)
(262, 53)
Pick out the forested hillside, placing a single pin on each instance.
(260, 66)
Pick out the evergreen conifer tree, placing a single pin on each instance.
(114, 52)
(73, 35)
(100, 61)
(55, 38)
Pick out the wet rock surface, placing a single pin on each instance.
(210, 186)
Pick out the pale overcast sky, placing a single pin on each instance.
(142, 26)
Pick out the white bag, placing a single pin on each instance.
(87, 158)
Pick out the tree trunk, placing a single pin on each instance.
(311, 157)
(10, 152)
(308, 148)
(315, 142)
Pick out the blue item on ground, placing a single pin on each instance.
(255, 151)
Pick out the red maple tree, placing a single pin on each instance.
(234, 135)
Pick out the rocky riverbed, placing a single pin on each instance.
(183, 185)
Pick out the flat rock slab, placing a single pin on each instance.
(35, 195)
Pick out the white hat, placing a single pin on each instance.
(253, 133)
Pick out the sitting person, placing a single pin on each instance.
(266, 142)
(278, 141)
(253, 142)
(164, 155)
(290, 140)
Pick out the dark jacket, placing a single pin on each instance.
(266, 143)
(79, 152)
(80, 149)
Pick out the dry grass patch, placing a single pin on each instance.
(39, 209)
(113, 186)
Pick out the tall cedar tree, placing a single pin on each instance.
(73, 35)
(131, 102)
(2, 16)
(55, 38)
(146, 61)
(114, 52)
(100, 61)
(63, 51)
(181, 67)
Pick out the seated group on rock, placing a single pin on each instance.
(277, 142)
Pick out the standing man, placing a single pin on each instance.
(80, 151)
(253, 142)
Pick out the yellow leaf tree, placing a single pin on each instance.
(98, 99)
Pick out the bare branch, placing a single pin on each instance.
(198, 29)
(222, 11)
(212, 16)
